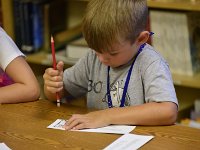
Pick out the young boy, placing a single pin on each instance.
(124, 77)
(17, 81)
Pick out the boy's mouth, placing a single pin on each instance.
(106, 63)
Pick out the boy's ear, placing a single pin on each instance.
(143, 37)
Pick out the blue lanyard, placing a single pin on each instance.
(126, 83)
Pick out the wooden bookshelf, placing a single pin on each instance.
(188, 5)
(7, 14)
(188, 81)
(38, 58)
(42, 58)
(187, 87)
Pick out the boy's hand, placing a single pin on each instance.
(91, 120)
(53, 79)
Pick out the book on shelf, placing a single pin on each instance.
(46, 31)
(27, 28)
(38, 23)
(17, 22)
(57, 15)
(177, 38)
(32, 22)
(197, 106)
(54, 21)
(27, 21)
(195, 113)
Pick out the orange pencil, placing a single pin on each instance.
(54, 66)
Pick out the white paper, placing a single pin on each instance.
(58, 124)
(116, 129)
(129, 142)
(3, 146)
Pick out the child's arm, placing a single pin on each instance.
(153, 113)
(25, 87)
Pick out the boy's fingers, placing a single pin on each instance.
(54, 84)
(54, 90)
(71, 122)
(79, 126)
(71, 125)
(51, 72)
(60, 66)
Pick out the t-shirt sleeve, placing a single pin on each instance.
(158, 83)
(8, 50)
(76, 78)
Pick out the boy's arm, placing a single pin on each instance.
(153, 113)
(25, 87)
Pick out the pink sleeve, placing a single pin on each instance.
(4, 79)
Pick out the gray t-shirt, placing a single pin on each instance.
(150, 80)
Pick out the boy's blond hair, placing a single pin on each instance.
(108, 22)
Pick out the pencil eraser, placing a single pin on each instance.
(58, 104)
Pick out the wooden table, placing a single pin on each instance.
(23, 127)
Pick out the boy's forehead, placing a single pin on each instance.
(116, 47)
(119, 45)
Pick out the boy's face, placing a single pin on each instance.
(120, 54)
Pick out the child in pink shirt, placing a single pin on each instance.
(17, 81)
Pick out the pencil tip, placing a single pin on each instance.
(52, 39)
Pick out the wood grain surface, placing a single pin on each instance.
(23, 126)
